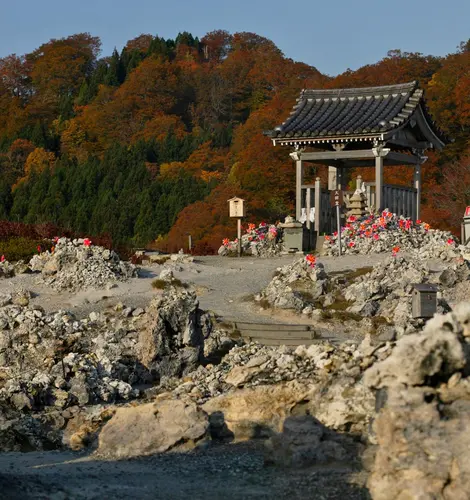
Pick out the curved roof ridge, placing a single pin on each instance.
(360, 91)
(334, 113)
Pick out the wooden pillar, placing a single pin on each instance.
(332, 178)
(308, 206)
(317, 205)
(339, 177)
(417, 186)
(379, 181)
(335, 177)
(299, 174)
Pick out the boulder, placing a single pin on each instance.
(173, 342)
(168, 424)
(304, 442)
(258, 411)
(423, 425)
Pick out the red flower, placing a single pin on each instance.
(418, 222)
(450, 241)
(225, 242)
(39, 249)
(311, 259)
(376, 236)
(87, 242)
(351, 244)
(2, 258)
(395, 250)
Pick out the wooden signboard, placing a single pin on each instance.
(336, 198)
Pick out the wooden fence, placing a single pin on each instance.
(399, 200)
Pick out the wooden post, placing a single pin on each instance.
(190, 243)
(339, 177)
(239, 236)
(332, 178)
(298, 188)
(308, 206)
(379, 181)
(317, 195)
(417, 186)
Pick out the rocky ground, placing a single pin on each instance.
(159, 399)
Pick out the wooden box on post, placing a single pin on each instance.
(424, 300)
(237, 207)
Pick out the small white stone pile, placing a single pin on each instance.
(386, 232)
(78, 265)
(296, 285)
(262, 241)
(387, 290)
(7, 270)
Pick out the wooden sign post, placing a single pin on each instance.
(237, 209)
(336, 200)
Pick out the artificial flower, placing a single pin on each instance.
(311, 259)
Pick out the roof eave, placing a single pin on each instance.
(308, 141)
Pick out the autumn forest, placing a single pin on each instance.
(148, 144)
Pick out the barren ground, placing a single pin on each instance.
(219, 472)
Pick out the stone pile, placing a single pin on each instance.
(423, 423)
(377, 234)
(10, 269)
(262, 241)
(326, 378)
(54, 365)
(7, 270)
(295, 286)
(386, 291)
(77, 265)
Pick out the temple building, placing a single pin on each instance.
(360, 127)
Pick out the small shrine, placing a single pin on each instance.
(360, 127)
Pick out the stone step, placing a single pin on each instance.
(274, 334)
(279, 327)
(281, 341)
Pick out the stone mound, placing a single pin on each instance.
(77, 265)
(377, 234)
(262, 241)
(10, 269)
(295, 286)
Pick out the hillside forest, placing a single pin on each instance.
(147, 145)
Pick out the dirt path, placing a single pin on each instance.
(224, 285)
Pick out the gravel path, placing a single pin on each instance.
(229, 472)
(227, 284)
(224, 285)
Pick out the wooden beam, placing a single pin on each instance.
(353, 157)
(401, 158)
(337, 155)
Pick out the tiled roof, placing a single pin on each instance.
(337, 113)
